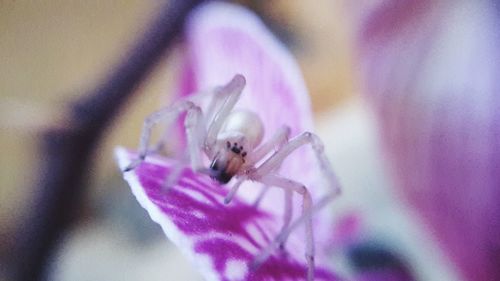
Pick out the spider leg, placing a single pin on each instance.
(216, 96)
(279, 138)
(194, 126)
(277, 158)
(231, 92)
(287, 218)
(167, 115)
(273, 162)
(195, 132)
(290, 186)
(234, 189)
(262, 193)
(196, 98)
(288, 213)
(264, 174)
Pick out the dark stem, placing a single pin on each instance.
(68, 151)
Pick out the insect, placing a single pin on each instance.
(233, 142)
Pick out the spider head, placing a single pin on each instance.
(227, 162)
(219, 172)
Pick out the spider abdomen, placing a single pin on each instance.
(247, 124)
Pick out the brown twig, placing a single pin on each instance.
(67, 152)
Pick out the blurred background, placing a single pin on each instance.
(54, 52)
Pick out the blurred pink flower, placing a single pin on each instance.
(222, 240)
(431, 69)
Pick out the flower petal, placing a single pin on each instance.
(222, 240)
(225, 39)
(432, 71)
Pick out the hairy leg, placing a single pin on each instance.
(290, 186)
(264, 174)
(287, 215)
(231, 92)
(168, 115)
(277, 158)
(229, 197)
(278, 140)
(196, 98)
(195, 131)
(262, 193)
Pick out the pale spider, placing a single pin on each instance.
(233, 141)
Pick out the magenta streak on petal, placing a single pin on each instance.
(219, 231)
(218, 217)
(220, 250)
(277, 267)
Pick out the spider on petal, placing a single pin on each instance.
(232, 140)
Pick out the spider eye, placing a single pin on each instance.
(236, 150)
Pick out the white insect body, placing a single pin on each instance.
(233, 141)
(241, 132)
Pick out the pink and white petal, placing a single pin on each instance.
(225, 39)
(438, 110)
(221, 240)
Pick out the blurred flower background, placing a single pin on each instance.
(405, 99)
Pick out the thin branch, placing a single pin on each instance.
(67, 152)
